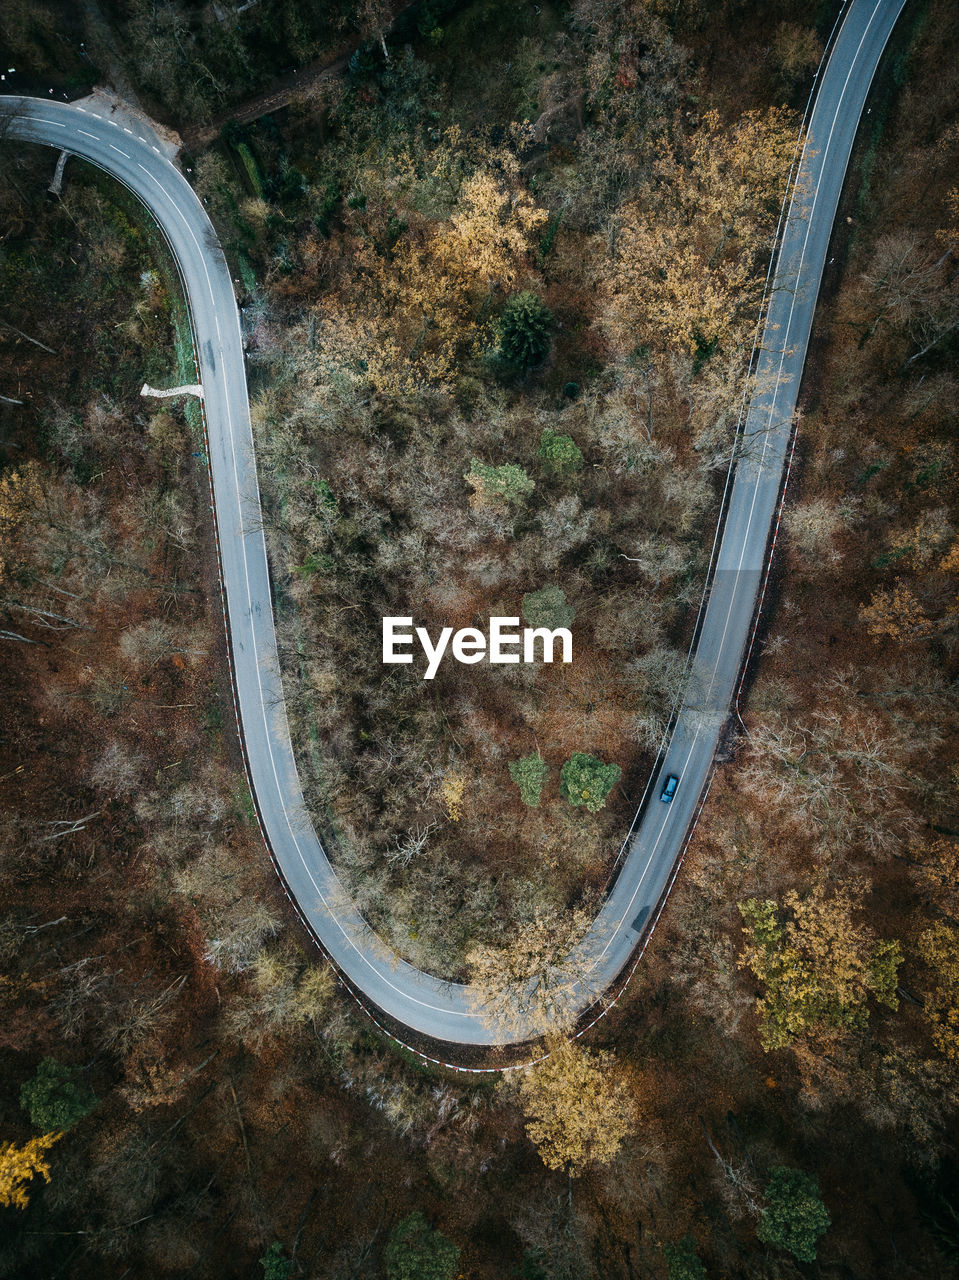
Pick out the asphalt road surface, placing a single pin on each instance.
(412, 998)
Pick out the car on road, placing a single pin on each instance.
(669, 789)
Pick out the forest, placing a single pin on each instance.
(500, 268)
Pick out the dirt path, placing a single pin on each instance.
(299, 83)
(106, 54)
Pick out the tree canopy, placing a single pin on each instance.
(525, 327)
(682, 1261)
(529, 773)
(417, 1251)
(20, 1165)
(507, 483)
(529, 980)
(578, 1106)
(547, 608)
(276, 1265)
(55, 1098)
(794, 1217)
(939, 948)
(818, 963)
(587, 781)
(559, 452)
(688, 265)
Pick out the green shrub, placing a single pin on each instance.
(682, 1262)
(547, 608)
(415, 1251)
(559, 452)
(325, 494)
(587, 781)
(794, 1217)
(529, 774)
(275, 1265)
(54, 1098)
(548, 238)
(250, 168)
(525, 330)
(508, 483)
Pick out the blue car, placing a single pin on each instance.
(669, 790)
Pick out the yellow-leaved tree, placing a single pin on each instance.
(897, 614)
(530, 983)
(489, 231)
(578, 1106)
(818, 962)
(20, 494)
(20, 1165)
(452, 791)
(688, 267)
(937, 870)
(419, 300)
(939, 947)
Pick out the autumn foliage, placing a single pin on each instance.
(579, 1107)
(818, 963)
(20, 1165)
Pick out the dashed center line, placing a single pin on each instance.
(234, 440)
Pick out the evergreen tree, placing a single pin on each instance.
(529, 774)
(416, 1251)
(54, 1098)
(682, 1261)
(547, 608)
(275, 1264)
(560, 453)
(794, 1217)
(507, 483)
(525, 328)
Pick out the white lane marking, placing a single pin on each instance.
(390, 958)
(237, 496)
(83, 131)
(118, 151)
(821, 158)
(129, 131)
(152, 178)
(252, 633)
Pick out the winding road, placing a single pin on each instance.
(414, 999)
